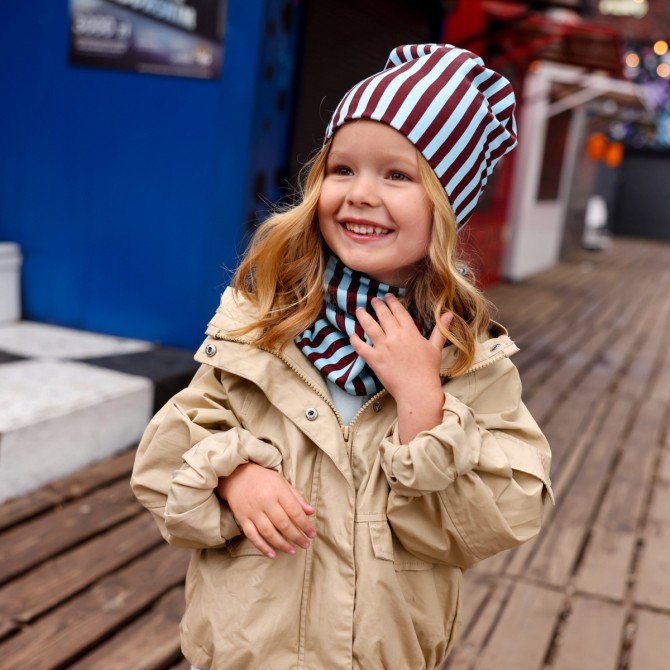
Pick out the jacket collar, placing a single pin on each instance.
(495, 346)
(235, 311)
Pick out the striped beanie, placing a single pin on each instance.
(458, 113)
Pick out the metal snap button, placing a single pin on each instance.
(210, 349)
(311, 413)
(377, 406)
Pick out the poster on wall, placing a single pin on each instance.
(172, 37)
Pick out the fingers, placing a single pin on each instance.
(375, 329)
(390, 312)
(281, 527)
(398, 310)
(277, 531)
(361, 347)
(306, 507)
(274, 516)
(274, 532)
(251, 532)
(372, 329)
(295, 524)
(286, 531)
(437, 339)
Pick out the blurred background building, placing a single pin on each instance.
(131, 190)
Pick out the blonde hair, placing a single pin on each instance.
(282, 271)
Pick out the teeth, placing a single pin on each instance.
(365, 230)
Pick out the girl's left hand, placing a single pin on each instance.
(406, 363)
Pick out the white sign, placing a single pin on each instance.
(173, 37)
(636, 8)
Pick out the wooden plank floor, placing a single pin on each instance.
(86, 581)
(592, 592)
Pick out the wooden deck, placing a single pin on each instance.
(87, 583)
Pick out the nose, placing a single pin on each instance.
(363, 190)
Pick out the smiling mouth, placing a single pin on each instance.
(364, 229)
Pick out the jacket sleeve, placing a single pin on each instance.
(192, 441)
(476, 484)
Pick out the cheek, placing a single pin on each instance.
(429, 223)
(426, 221)
(325, 219)
(328, 200)
(420, 215)
(423, 231)
(321, 213)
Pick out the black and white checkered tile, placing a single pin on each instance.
(70, 398)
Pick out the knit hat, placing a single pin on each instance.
(458, 113)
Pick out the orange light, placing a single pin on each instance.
(595, 146)
(613, 154)
(632, 60)
(661, 48)
(663, 70)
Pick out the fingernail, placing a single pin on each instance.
(271, 554)
(291, 551)
(305, 545)
(312, 534)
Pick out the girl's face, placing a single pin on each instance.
(374, 212)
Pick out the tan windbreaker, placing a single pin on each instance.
(397, 523)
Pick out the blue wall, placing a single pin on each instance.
(128, 193)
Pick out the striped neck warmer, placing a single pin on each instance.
(326, 341)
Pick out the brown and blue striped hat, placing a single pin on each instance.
(457, 112)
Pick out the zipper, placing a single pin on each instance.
(350, 428)
(483, 364)
(371, 400)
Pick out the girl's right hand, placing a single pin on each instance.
(271, 513)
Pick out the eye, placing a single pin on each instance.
(398, 176)
(340, 170)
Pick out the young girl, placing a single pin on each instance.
(355, 437)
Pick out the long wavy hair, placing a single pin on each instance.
(282, 271)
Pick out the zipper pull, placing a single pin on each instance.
(345, 433)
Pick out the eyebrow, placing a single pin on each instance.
(340, 154)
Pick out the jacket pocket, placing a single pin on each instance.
(243, 547)
(386, 547)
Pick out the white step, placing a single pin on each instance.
(57, 414)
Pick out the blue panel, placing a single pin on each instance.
(126, 192)
(274, 113)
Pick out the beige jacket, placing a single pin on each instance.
(379, 588)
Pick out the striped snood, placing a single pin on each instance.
(326, 342)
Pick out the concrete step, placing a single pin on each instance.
(70, 398)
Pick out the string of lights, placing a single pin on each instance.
(649, 66)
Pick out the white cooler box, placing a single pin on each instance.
(10, 282)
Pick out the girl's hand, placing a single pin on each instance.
(270, 512)
(407, 364)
